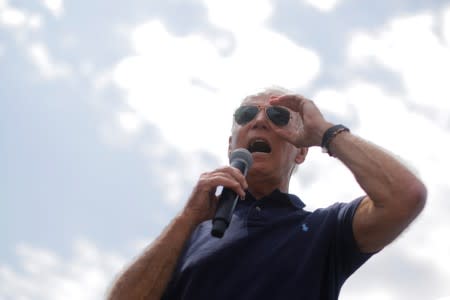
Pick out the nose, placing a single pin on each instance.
(261, 120)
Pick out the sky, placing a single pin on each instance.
(111, 110)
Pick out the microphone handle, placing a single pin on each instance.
(227, 202)
(225, 208)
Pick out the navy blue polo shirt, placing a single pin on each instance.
(273, 249)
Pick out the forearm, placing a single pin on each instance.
(387, 182)
(148, 276)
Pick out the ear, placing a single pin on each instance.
(301, 155)
(229, 146)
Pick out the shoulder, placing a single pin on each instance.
(339, 210)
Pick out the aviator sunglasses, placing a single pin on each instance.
(277, 114)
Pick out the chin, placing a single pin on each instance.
(261, 156)
(259, 168)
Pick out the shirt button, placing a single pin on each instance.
(258, 208)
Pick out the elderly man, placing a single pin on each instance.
(273, 248)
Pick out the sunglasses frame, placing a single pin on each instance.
(265, 108)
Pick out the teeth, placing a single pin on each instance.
(258, 140)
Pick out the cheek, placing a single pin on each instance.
(235, 138)
(290, 153)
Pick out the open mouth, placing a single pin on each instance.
(259, 145)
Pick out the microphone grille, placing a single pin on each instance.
(242, 154)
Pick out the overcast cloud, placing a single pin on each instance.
(110, 111)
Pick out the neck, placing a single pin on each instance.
(260, 188)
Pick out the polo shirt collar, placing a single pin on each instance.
(288, 199)
(296, 201)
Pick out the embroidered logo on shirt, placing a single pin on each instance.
(305, 227)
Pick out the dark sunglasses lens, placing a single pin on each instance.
(245, 114)
(278, 115)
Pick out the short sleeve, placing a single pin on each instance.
(348, 256)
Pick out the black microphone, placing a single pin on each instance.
(242, 160)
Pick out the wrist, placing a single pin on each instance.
(321, 131)
(330, 134)
(324, 127)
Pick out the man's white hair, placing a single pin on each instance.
(273, 90)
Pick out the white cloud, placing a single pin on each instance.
(308, 182)
(129, 121)
(323, 5)
(47, 276)
(171, 80)
(235, 15)
(12, 17)
(410, 47)
(15, 18)
(446, 26)
(189, 90)
(35, 21)
(370, 294)
(388, 121)
(48, 68)
(178, 171)
(161, 72)
(56, 7)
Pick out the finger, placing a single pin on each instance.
(210, 181)
(293, 102)
(213, 201)
(236, 173)
(231, 183)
